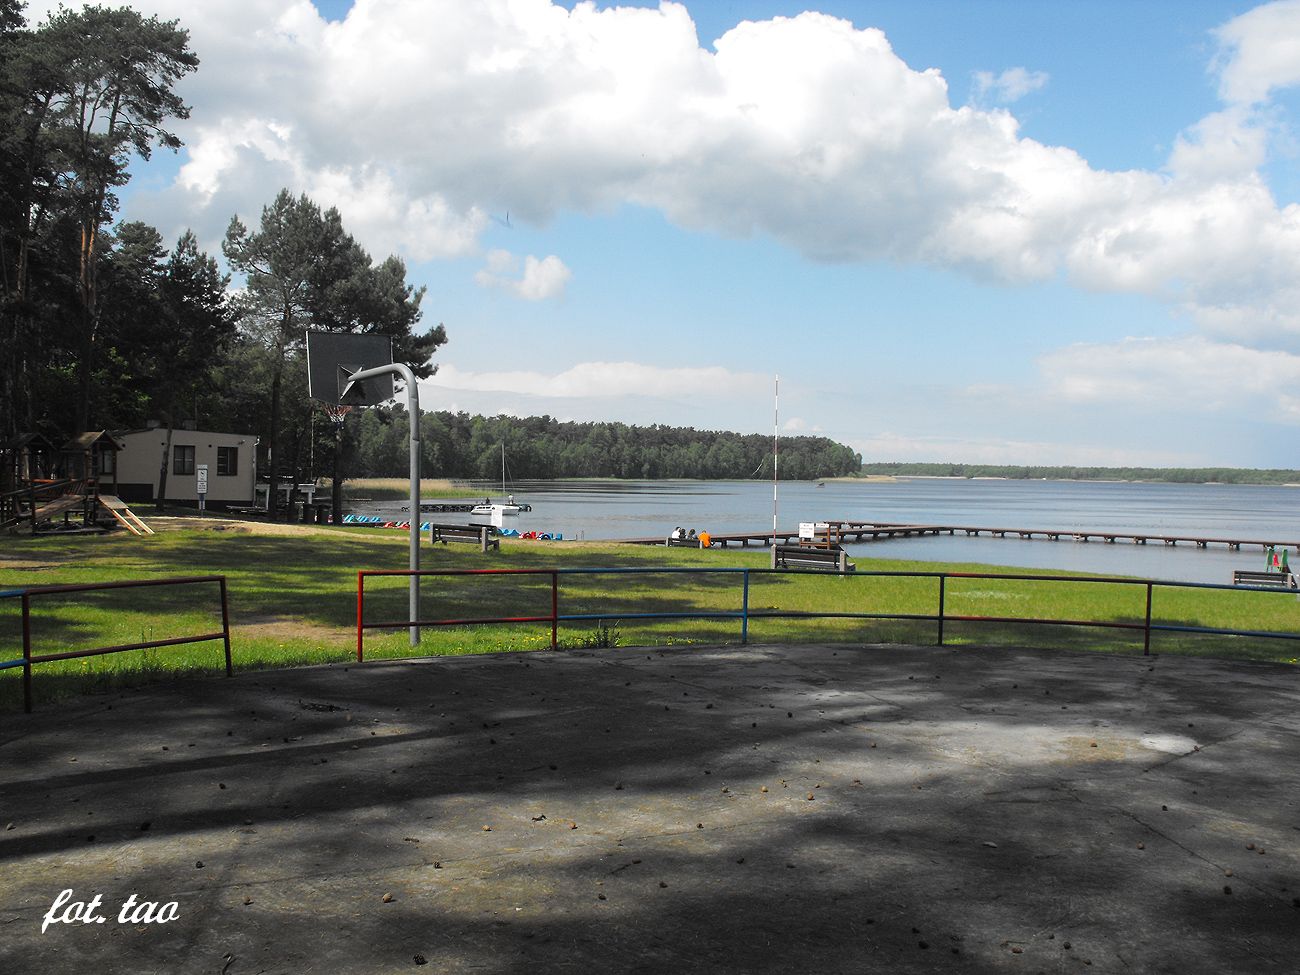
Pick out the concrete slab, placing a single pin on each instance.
(700, 809)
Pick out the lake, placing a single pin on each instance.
(636, 509)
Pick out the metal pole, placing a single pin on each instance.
(776, 423)
(225, 626)
(941, 595)
(555, 609)
(744, 610)
(361, 608)
(1146, 634)
(413, 409)
(27, 645)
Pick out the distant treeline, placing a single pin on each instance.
(457, 445)
(1174, 475)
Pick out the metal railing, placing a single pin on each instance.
(28, 659)
(744, 613)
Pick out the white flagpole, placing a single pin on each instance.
(776, 422)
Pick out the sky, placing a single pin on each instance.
(1002, 231)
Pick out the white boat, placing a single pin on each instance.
(499, 510)
(494, 510)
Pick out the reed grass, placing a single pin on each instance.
(293, 601)
(399, 489)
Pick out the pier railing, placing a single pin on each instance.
(744, 613)
(858, 532)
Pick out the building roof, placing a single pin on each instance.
(32, 441)
(92, 439)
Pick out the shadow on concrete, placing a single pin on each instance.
(972, 810)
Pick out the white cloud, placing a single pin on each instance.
(798, 425)
(541, 279)
(1009, 86)
(418, 117)
(1231, 144)
(1261, 52)
(1192, 375)
(608, 379)
(893, 447)
(605, 391)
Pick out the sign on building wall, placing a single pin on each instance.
(201, 484)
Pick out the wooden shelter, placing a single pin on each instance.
(27, 457)
(91, 458)
(47, 488)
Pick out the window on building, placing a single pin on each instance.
(182, 460)
(227, 460)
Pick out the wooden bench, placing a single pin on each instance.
(806, 557)
(1263, 580)
(479, 534)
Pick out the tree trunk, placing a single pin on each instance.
(273, 454)
(89, 315)
(162, 470)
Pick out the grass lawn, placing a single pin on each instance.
(292, 598)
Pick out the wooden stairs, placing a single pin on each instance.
(124, 516)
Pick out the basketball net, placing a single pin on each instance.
(336, 412)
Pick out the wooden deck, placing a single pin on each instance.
(65, 502)
(854, 532)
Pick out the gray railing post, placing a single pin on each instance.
(1146, 632)
(225, 626)
(27, 645)
(942, 579)
(744, 611)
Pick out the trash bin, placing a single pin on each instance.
(322, 514)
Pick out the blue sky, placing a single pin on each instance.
(1003, 231)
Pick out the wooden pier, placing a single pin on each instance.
(855, 532)
(456, 507)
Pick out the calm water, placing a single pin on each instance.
(635, 509)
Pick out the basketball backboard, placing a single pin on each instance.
(332, 358)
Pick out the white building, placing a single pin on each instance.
(230, 459)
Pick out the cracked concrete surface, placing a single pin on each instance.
(762, 809)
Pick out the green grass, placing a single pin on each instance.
(293, 601)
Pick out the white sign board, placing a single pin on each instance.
(201, 476)
(809, 530)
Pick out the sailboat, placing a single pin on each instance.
(499, 510)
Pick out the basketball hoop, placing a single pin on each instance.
(337, 412)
